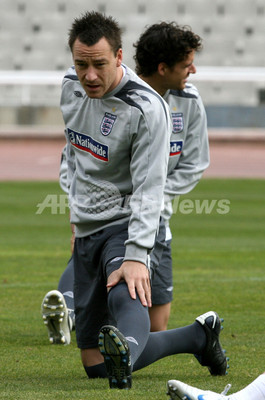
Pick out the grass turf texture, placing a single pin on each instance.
(218, 264)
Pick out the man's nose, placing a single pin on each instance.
(192, 69)
(91, 74)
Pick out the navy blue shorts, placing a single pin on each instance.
(162, 281)
(95, 257)
(161, 267)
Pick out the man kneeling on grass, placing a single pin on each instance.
(117, 162)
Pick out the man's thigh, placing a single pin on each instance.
(95, 257)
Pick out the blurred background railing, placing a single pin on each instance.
(230, 68)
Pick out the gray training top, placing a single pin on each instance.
(189, 145)
(117, 159)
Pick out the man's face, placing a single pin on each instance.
(97, 67)
(177, 76)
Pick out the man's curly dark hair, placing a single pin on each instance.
(164, 42)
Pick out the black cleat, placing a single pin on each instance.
(115, 350)
(213, 355)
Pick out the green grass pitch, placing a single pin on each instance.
(219, 264)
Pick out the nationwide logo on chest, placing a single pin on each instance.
(86, 143)
(175, 147)
(107, 123)
(177, 122)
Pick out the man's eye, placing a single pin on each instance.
(80, 65)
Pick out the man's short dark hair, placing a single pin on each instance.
(93, 26)
(164, 42)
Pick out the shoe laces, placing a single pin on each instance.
(226, 389)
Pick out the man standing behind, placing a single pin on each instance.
(165, 58)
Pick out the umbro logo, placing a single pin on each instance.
(77, 93)
(132, 339)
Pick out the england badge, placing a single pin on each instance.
(177, 122)
(107, 123)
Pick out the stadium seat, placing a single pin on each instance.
(227, 93)
(33, 35)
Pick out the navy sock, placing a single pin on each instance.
(66, 286)
(189, 339)
(96, 371)
(131, 318)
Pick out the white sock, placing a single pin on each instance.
(254, 391)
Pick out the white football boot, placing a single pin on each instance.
(181, 391)
(56, 318)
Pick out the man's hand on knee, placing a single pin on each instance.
(136, 275)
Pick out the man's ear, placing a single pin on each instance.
(162, 68)
(119, 57)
